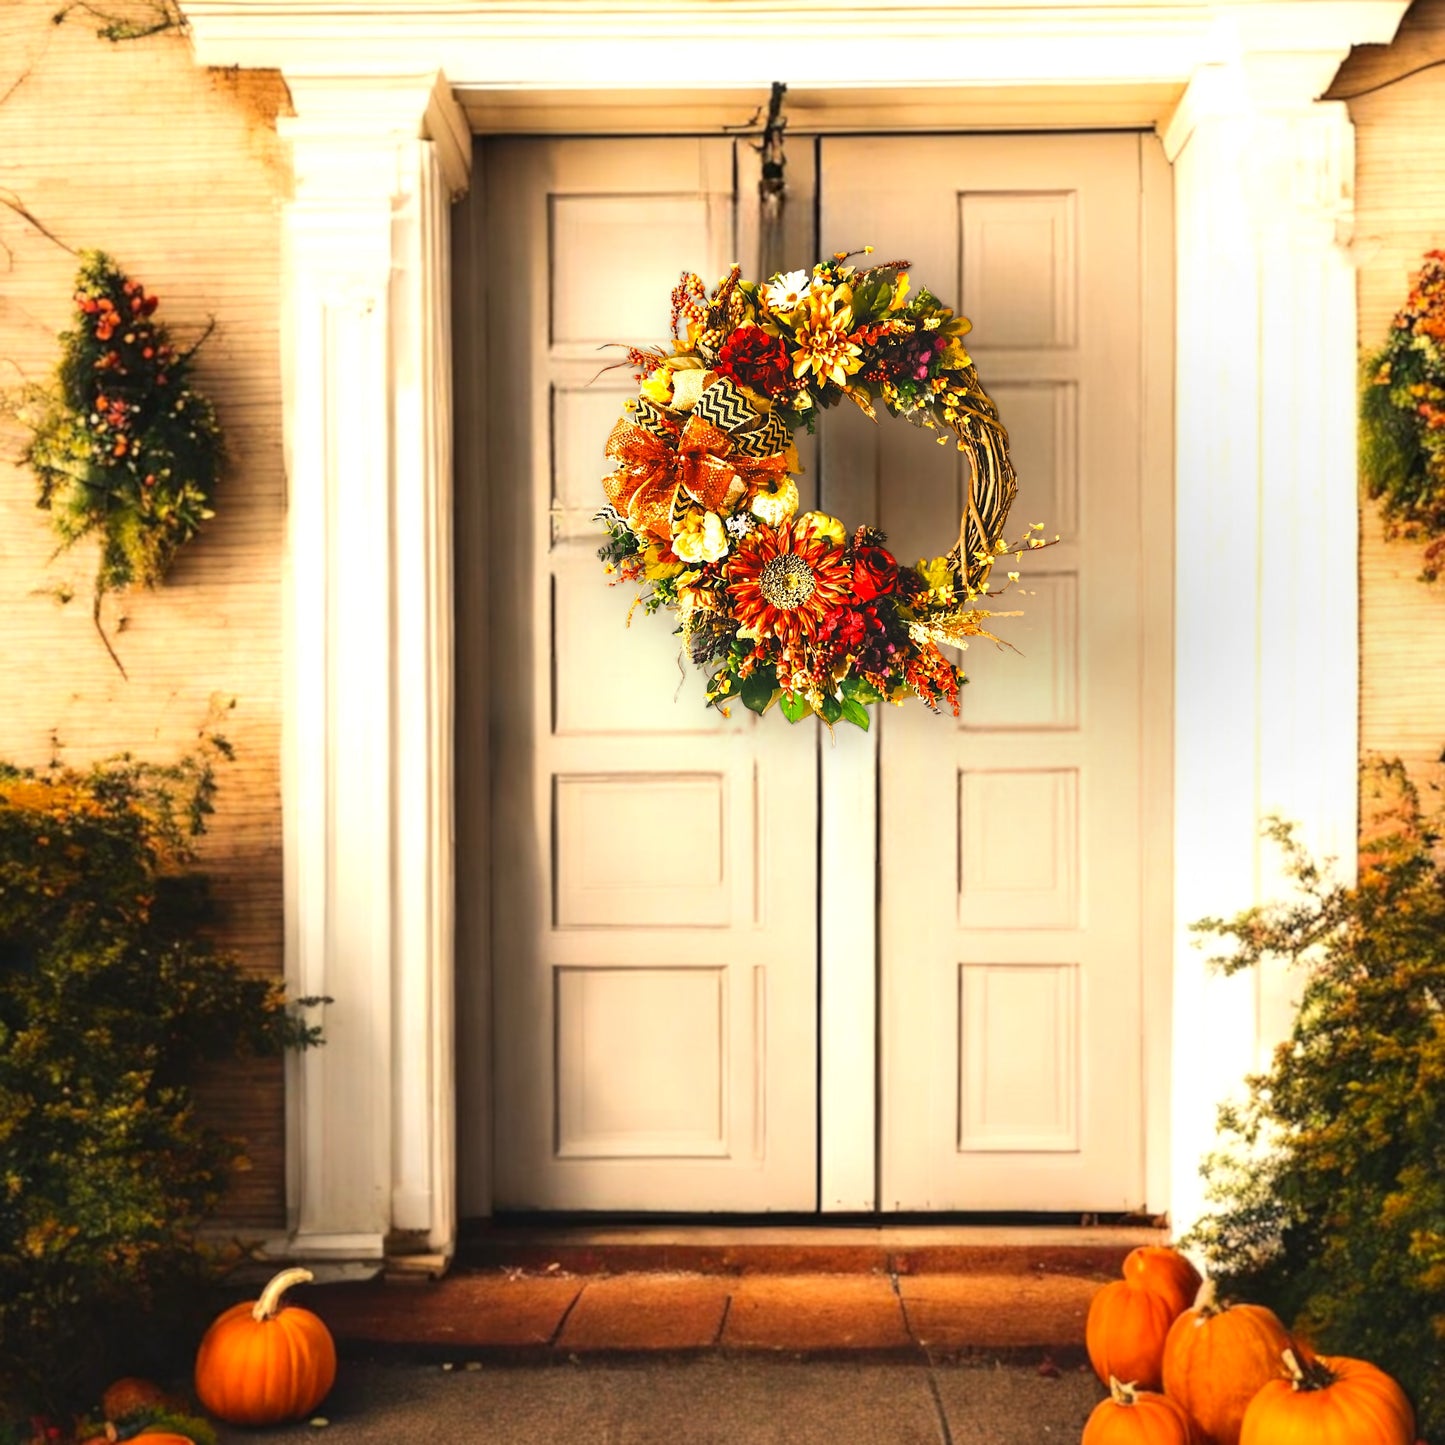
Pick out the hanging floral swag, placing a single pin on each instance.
(124, 447)
(1402, 418)
(702, 505)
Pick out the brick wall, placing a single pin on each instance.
(178, 173)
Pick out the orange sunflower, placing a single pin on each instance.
(783, 581)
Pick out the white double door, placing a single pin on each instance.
(663, 1009)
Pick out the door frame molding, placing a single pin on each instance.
(387, 94)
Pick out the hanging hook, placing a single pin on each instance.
(772, 144)
(772, 187)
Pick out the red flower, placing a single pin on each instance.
(875, 573)
(753, 358)
(844, 628)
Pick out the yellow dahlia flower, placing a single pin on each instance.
(824, 347)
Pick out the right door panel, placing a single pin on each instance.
(1011, 840)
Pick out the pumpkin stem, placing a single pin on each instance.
(267, 1306)
(1123, 1394)
(1315, 1375)
(1207, 1302)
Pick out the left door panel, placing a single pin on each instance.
(655, 876)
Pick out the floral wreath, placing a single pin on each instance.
(122, 444)
(1402, 418)
(702, 506)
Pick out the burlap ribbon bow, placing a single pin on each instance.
(700, 459)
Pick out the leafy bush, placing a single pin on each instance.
(112, 1004)
(1329, 1190)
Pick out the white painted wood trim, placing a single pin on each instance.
(472, 621)
(598, 45)
(424, 1096)
(336, 726)
(368, 794)
(848, 964)
(1266, 584)
(1156, 403)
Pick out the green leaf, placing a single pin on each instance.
(856, 713)
(758, 688)
(869, 298)
(832, 708)
(796, 707)
(860, 690)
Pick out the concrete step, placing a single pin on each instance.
(807, 1249)
(477, 1315)
(931, 1292)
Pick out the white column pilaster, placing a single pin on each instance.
(367, 767)
(1266, 585)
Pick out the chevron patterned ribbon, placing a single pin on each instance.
(773, 436)
(725, 406)
(651, 419)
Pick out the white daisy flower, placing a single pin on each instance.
(786, 292)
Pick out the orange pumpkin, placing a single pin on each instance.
(1132, 1416)
(1166, 1272)
(1329, 1402)
(264, 1362)
(1125, 1333)
(129, 1394)
(158, 1435)
(1217, 1358)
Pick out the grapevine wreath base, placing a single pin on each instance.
(703, 509)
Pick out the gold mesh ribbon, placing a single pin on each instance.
(700, 459)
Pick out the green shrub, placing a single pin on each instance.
(112, 1005)
(1329, 1189)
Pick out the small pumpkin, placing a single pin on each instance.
(1217, 1358)
(159, 1435)
(1335, 1401)
(129, 1395)
(1125, 1333)
(1131, 1416)
(264, 1362)
(1166, 1272)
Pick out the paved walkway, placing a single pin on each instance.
(964, 1337)
(710, 1400)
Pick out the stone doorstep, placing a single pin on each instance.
(516, 1315)
(807, 1249)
